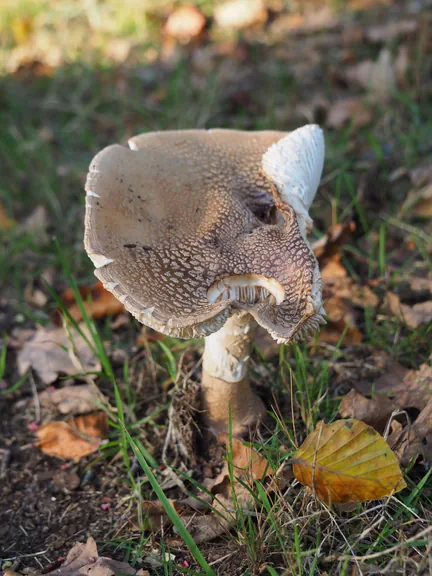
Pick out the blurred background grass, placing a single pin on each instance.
(77, 76)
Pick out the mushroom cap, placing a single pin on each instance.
(180, 230)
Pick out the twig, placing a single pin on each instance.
(35, 396)
(25, 555)
(7, 453)
(424, 532)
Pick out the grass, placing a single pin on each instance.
(54, 120)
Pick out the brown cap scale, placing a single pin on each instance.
(182, 229)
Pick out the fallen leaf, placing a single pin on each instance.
(378, 77)
(415, 440)
(373, 411)
(421, 175)
(405, 388)
(309, 20)
(84, 559)
(390, 30)
(118, 50)
(36, 224)
(347, 461)
(245, 460)
(340, 292)
(72, 399)
(419, 202)
(102, 303)
(66, 480)
(352, 110)
(340, 320)
(22, 29)
(185, 23)
(75, 438)
(240, 14)
(413, 316)
(49, 353)
(327, 248)
(6, 223)
(34, 296)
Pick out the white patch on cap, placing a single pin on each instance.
(295, 165)
(99, 260)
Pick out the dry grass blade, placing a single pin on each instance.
(347, 461)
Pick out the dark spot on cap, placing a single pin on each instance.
(129, 245)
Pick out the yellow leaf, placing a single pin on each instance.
(347, 461)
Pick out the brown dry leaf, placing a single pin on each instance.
(185, 23)
(49, 352)
(399, 388)
(419, 201)
(405, 388)
(84, 559)
(421, 175)
(75, 438)
(390, 30)
(340, 319)
(352, 110)
(347, 461)
(246, 461)
(240, 14)
(36, 224)
(155, 519)
(413, 316)
(378, 77)
(72, 399)
(373, 411)
(340, 292)
(102, 303)
(6, 223)
(327, 248)
(310, 20)
(415, 440)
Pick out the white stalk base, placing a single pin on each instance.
(225, 385)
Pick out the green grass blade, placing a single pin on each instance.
(171, 513)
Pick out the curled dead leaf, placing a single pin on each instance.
(75, 438)
(347, 461)
(245, 460)
(373, 411)
(340, 320)
(84, 559)
(405, 388)
(378, 77)
(72, 399)
(413, 316)
(50, 353)
(411, 441)
(352, 110)
(390, 30)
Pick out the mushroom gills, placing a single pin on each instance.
(247, 288)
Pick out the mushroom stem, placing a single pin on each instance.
(225, 384)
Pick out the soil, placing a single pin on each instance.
(46, 504)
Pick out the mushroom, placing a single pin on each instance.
(204, 234)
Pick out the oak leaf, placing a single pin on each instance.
(347, 461)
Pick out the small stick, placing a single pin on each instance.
(35, 396)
